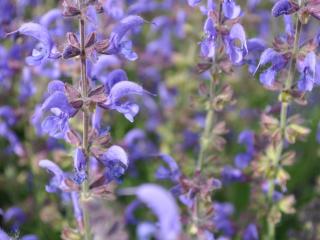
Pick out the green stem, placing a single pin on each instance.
(205, 138)
(85, 127)
(283, 122)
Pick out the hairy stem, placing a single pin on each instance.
(283, 122)
(205, 138)
(85, 125)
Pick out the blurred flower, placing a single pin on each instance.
(286, 7)
(251, 232)
(118, 44)
(221, 219)
(307, 69)
(163, 205)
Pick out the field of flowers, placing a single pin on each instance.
(159, 119)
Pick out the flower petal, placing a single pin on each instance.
(230, 9)
(284, 7)
(40, 33)
(114, 77)
(126, 24)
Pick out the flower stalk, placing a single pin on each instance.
(283, 123)
(85, 125)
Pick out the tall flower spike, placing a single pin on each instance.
(43, 49)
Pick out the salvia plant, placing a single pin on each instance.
(159, 119)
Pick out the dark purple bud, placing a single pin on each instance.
(70, 51)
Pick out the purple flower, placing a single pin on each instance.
(79, 161)
(8, 115)
(143, 6)
(15, 216)
(59, 177)
(14, 142)
(76, 207)
(27, 87)
(282, 7)
(116, 160)
(221, 219)
(114, 8)
(118, 44)
(102, 66)
(255, 47)
(251, 233)
(8, 11)
(173, 172)
(276, 194)
(29, 237)
(277, 61)
(43, 49)
(230, 174)
(207, 46)
(4, 235)
(53, 16)
(163, 205)
(242, 160)
(56, 111)
(129, 212)
(120, 93)
(307, 69)
(230, 9)
(193, 3)
(236, 44)
(138, 145)
(246, 137)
